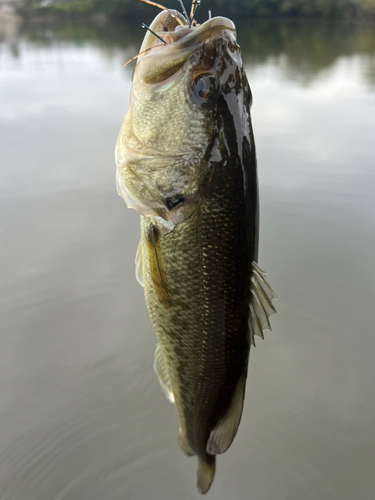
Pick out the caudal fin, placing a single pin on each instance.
(206, 474)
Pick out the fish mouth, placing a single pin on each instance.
(158, 61)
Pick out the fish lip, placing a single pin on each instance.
(216, 23)
(194, 37)
(163, 61)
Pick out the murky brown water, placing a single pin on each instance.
(82, 416)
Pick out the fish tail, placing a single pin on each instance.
(206, 473)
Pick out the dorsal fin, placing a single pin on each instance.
(222, 436)
(261, 306)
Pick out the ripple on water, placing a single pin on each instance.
(83, 443)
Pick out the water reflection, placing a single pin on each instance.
(82, 412)
(304, 48)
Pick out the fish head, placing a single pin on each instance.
(173, 133)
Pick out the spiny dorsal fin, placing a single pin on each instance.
(261, 306)
(161, 370)
(222, 436)
(139, 264)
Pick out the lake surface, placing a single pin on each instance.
(82, 416)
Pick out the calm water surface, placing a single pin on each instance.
(82, 416)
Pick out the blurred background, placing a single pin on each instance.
(82, 416)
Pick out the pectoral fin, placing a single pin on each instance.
(139, 264)
(156, 267)
(261, 306)
(161, 370)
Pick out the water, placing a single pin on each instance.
(82, 415)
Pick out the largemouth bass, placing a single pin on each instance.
(186, 162)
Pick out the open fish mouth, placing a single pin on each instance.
(158, 61)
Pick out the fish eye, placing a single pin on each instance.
(205, 86)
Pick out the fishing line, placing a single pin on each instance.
(141, 53)
(163, 8)
(153, 32)
(193, 10)
(183, 9)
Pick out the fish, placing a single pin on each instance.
(186, 161)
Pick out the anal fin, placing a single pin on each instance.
(183, 444)
(161, 370)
